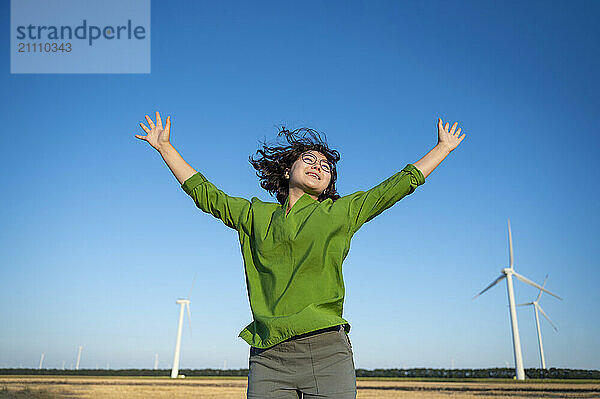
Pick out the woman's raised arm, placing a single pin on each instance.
(158, 138)
(231, 210)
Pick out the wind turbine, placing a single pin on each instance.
(184, 303)
(536, 307)
(41, 361)
(507, 273)
(78, 357)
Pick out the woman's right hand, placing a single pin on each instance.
(156, 136)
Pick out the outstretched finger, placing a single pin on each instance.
(447, 125)
(158, 120)
(144, 127)
(453, 128)
(458, 132)
(168, 125)
(150, 122)
(141, 137)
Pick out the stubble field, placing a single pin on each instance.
(60, 387)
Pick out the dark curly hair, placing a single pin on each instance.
(272, 161)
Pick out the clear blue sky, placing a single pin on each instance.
(98, 240)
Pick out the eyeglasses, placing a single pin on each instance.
(311, 159)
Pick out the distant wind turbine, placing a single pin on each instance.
(507, 274)
(78, 357)
(155, 361)
(41, 361)
(536, 307)
(184, 303)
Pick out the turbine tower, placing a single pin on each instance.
(507, 273)
(184, 303)
(41, 361)
(78, 357)
(536, 307)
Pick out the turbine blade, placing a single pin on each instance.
(193, 281)
(527, 281)
(547, 318)
(493, 283)
(187, 306)
(510, 245)
(543, 285)
(525, 304)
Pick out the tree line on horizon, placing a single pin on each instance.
(552, 373)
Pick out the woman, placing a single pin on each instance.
(293, 252)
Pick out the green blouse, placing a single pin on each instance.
(293, 262)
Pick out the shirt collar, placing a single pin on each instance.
(304, 198)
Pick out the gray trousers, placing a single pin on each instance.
(306, 366)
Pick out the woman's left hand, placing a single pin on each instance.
(449, 140)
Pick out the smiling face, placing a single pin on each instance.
(312, 179)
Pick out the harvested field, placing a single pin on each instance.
(61, 387)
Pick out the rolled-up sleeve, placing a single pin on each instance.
(231, 210)
(365, 205)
